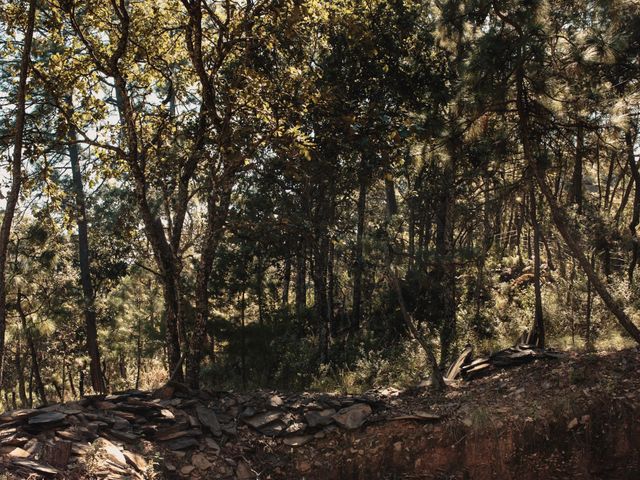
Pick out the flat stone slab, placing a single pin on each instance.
(353, 417)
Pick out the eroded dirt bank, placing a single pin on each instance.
(570, 418)
(577, 418)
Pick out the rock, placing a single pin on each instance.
(200, 461)
(212, 444)
(273, 429)
(209, 419)
(16, 440)
(296, 428)
(112, 452)
(135, 460)
(15, 452)
(315, 418)
(46, 419)
(183, 443)
(173, 434)
(249, 411)
(16, 415)
(80, 448)
(456, 367)
(187, 469)
(268, 423)
(262, 419)
(101, 405)
(124, 436)
(168, 414)
(352, 417)
(244, 472)
(298, 440)
(303, 466)
(38, 467)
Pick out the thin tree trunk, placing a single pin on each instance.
(97, 380)
(576, 181)
(446, 270)
(587, 336)
(484, 250)
(217, 209)
(16, 174)
(635, 218)
(537, 332)
(20, 374)
(301, 283)
(243, 346)
(359, 251)
(35, 364)
(71, 385)
(436, 375)
(320, 294)
(286, 282)
(139, 351)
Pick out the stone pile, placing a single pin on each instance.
(117, 436)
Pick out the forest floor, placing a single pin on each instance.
(574, 417)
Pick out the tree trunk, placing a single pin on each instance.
(446, 270)
(484, 250)
(20, 374)
(16, 173)
(217, 210)
(97, 381)
(301, 280)
(358, 270)
(436, 375)
(243, 339)
(576, 181)
(286, 282)
(635, 218)
(71, 385)
(537, 335)
(588, 341)
(35, 364)
(320, 294)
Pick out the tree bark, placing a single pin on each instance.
(635, 217)
(97, 380)
(576, 181)
(35, 364)
(537, 335)
(286, 282)
(16, 173)
(436, 375)
(217, 209)
(301, 280)
(20, 374)
(358, 270)
(445, 269)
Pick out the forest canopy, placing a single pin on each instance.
(310, 193)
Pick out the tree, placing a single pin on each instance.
(16, 170)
